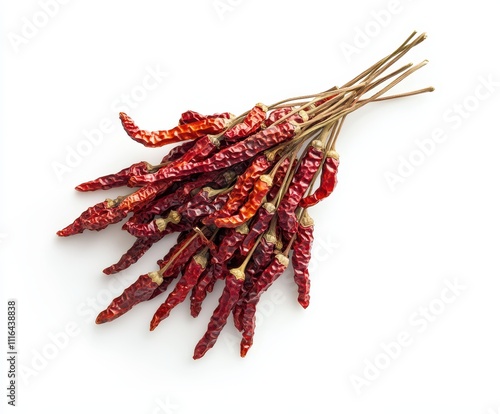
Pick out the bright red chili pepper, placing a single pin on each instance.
(179, 133)
(189, 117)
(248, 210)
(251, 124)
(260, 225)
(327, 183)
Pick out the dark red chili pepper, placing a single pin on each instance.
(132, 255)
(142, 196)
(95, 218)
(177, 151)
(301, 255)
(118, 179)
(327, 183)
(137, 292)
(230, 244)
(227, 300)
(156, 226)
(179, 133)
(226, 157)
(250, 124)
(206, 202)
(301, 181)
(189, 278)
(266, 278)
(189, 117)
(260, 225)
(279, 176)
(276, 115)
(261, 258)
(204, 286)
(248, 210)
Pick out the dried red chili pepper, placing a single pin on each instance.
(227, 300)
(137, 292)
(118, 179)
(206, 202)
(189, 117)
(301, 181)
(230, 244)
(267, 277)
(179, 133)
(279, 176)
(260, 225)
(131, 256)
(226, 157)
(248, 210)
(189, 278)
(327, 183)
(276, 115)
(250, 124)
(242, 187)
(204, 286)
(139, 198)
(95, 218)
(156, 226)
(301, 255)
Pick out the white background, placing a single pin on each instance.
(383, 254)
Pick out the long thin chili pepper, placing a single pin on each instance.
(248, 210)
(251, 124)
(227, 300)
(259, 226)
(132, 255)
(179, 133)
(242, 187)
(327, 183)
(95, 218)
(206, 202)
(118, 179)
(157, 226)
(204, 286)
(230, 244)
(137, 292)
(177, 151)
(268, 276)
(300, 183)
(189, 278)
(301, 255)
(226, 157)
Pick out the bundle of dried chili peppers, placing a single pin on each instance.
(237, 192)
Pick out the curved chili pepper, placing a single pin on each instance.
(250, 124)
(248, 210)
(137, 292)
(267, 277)
(118, 179)
(259, 226)
(179, 133)
(301, 256)
(300, 183)
(193, 270)
(327, 183)
(226, 157)
(227, 300)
